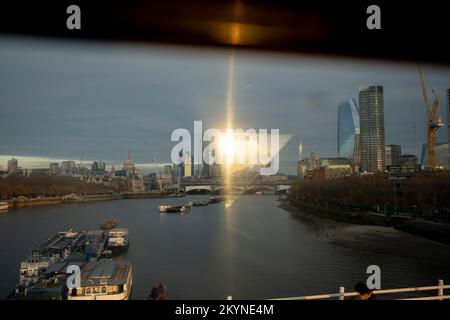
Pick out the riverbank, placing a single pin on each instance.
(31, 202)
(426, 229)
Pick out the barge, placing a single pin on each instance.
(111, 280)
(117, 243)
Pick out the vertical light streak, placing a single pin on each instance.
(229, 126)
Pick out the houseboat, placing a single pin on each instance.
(106, 280)
(59, 246)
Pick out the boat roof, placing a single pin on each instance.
(105, 273)
(94, 234)
(57, 242)
(118, 230)
(75, 256)
(56, 268)
(60, 267)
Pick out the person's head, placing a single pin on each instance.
(364, 292)
(159, 292)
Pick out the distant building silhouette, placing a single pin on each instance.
(187, 172)
(393, 154)
(13, 166)
(442, 154)
(68, 168)
(54, 168)
(409, 163)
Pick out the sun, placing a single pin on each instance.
(228, 146)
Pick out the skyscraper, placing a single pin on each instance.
(371, 117)
(348, 128)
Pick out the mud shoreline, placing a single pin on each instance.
(378, 239)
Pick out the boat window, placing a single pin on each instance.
(88, 291)
(103, 290)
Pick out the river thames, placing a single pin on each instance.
(251, 250)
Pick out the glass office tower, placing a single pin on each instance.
(348, 128)
(371, 117)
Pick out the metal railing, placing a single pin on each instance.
(341, 295)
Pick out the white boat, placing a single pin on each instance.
(164, 208)
(117, 241)
(3, 205)
(175, 209)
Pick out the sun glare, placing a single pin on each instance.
(227, 147)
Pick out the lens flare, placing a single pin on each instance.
(228, 143)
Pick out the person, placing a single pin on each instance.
(64, 292)
(364, 293)
(158, 292)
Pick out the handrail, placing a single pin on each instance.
(342, 294)
(429, 298)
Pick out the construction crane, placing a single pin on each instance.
(434, 122)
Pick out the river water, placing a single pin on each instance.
(251, 250)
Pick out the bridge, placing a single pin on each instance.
(238, 187)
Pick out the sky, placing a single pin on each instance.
(97, 101)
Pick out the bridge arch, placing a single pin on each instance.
(233, 189)
(263, 189)
(198, 189)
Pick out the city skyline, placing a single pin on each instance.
(27, 162)
(101, 100)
